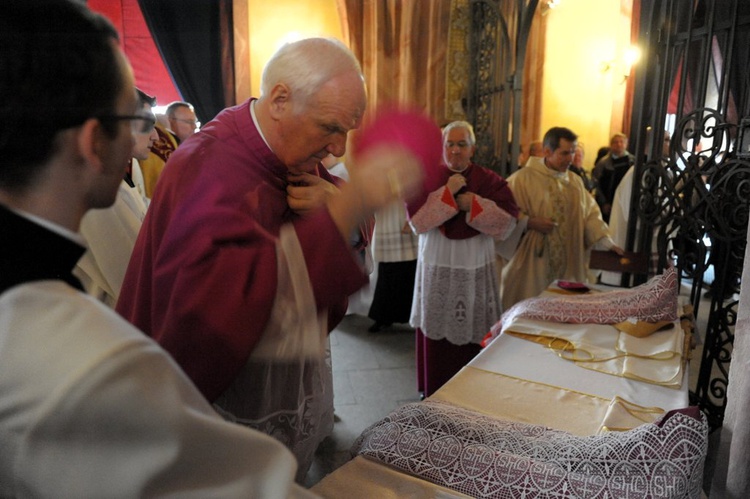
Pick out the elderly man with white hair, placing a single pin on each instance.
(244, 263)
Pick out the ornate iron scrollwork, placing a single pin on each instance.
(486, 25)
(697, 204)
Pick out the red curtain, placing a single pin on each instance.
(151, 74)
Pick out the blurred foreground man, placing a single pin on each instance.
(90, 406)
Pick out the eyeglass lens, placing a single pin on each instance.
(143, 124)
(138, 123)
(193, 123)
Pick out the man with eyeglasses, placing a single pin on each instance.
(111, 233)
(145, 135)
(90, 406)
(182, 120)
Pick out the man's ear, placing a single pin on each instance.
(91, 142)
(280, 99)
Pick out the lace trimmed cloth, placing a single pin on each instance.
(653, 301)
(455, 288)
(485, 457)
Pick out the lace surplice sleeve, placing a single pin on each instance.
(439, 207)
(487, 217)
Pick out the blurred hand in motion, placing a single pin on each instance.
(380, 176)
(384, 174)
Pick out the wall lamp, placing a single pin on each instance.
(624, 64)
(547, 5)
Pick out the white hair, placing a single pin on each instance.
(460, 124)
(306, 65)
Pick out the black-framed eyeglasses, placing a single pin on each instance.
(139, 123)
(193, 123)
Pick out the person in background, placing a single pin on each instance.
(144, 141)
(244, 263)
(576, 166)
(618, 221)
(110, 233)
(161, 150)
(361, 240)
(455, 291)
(182, 120)
(533, 149)
(560, 222)
(609, 170)
(600, 153)
(134, 174)
(90, 406)
(394, 248)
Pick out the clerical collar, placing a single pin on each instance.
(129, 174)
(50, 226)
(555, 173)
(35, 250)
(257, 125)
(458, 171)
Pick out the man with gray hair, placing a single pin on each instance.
(609, 170)
(244, 264)
(182, 120)
(456, 297)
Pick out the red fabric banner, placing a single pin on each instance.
(151, 74)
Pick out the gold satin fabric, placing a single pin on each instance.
(367, 478)
(647, 352)
(516, 399)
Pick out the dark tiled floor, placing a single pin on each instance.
(373, 373)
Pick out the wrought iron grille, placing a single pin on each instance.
(692, 204)
(499, 30)
(689, 206)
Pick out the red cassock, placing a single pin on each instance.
(203, 277)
